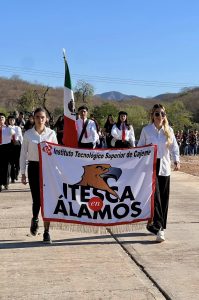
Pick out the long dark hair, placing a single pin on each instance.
(107, 121)
(118, 124)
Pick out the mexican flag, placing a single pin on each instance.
(70, 130)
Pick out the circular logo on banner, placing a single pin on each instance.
(95, 203)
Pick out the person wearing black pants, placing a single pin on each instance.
(161, 134)
(29, 151)
(15, 149)
(161, 199)
(6, 136)
(33, 171)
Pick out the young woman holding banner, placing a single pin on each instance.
(29, 151)
(160, 133)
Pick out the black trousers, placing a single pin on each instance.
(161, 199)
(122, 144)
(14, 160)
(5, 152)
(34, 182)
(85, 145)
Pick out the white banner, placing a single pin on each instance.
(97, 187)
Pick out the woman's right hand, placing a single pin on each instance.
(23, 179)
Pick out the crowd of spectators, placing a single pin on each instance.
(188, 141)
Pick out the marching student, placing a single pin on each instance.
(86, 130)
(15, 149)
(29, 151)
(6, 136)
(20, 121)
(161, 134)
(108, 127)
(122, 132)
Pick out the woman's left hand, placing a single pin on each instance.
(176, 166)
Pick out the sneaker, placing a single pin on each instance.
(152, 229)
(46, 238)
(160, 236)
(34, 226)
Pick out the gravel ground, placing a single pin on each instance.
(190, 165)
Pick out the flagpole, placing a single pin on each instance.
(64, 54)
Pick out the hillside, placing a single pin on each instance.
(12, 89)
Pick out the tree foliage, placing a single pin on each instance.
(58, 111)
(178, 116)
(17, 94)
(101, 112)
(28, 101)
(83, 93)
(137, 116)
(33, 98)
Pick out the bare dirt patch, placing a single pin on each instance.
(190, 165)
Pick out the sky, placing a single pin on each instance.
(136, 47)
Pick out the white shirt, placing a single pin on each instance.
(29, 149)
(129, 134)
(151, 135)
(6, 135)
(18, 133)
(92, 135)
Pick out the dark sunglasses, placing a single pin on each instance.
(158, 114)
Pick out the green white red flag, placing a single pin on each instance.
(70, 130)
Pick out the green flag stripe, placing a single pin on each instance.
(67, 81)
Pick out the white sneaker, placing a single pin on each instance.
(160, 236)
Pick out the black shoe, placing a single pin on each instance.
(12, 181)
(46, 237)
(0, 188)
(6, 187)
(34, 226)
(152, 229)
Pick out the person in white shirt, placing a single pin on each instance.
(15, 149)
(6, 136)
(122, 133)
(86, 130)
(29, 151)
(161, 134)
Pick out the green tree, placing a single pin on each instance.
(178, 116)
(32, 98)
(101, 112)
(138, 117)
(28, 101)
(58, 111)
(3, 110)
(83, 93)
